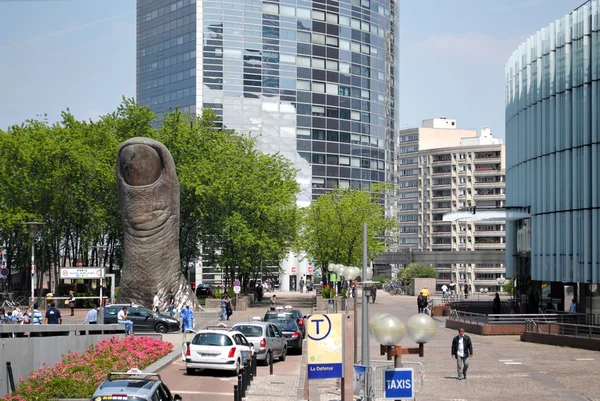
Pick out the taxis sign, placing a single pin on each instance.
(324, 342)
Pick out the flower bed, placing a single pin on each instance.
(78, 375)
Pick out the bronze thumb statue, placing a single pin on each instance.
(149, 202)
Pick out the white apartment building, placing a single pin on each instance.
(442, 169)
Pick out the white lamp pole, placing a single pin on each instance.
(32, 228)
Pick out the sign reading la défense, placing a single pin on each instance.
(399, 384)
(324, 342)
(81, 273)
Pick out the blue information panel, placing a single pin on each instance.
(324, 342)
(399, 384)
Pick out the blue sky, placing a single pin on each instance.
(80, 54)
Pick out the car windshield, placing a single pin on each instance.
(249, 331)
(214, 339)
(286, 325)
(278, 316)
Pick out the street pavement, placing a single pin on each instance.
(502, 367)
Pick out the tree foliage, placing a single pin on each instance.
(332, 228)
(233, 197)
(509, 286)
(417, 270)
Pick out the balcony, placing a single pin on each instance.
(490, 245)
(442, 159)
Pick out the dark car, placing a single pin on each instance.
(203, 290)
(143, 319)
(293, 314)
(291, 333)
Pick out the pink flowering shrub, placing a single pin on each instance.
(79, 375)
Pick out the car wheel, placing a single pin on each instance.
(190, 371)
(268, 358)
(161, 328)
(300, 349)
(283, 354)
(236, 372)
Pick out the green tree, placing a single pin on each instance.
(417, 270)
(332, 228)
(234, 198)
(509, 286)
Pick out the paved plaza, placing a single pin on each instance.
(502, 368)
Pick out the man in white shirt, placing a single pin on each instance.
(122, 319)
(462, 349)
(92, 316)
(444, 291)
(156, 302)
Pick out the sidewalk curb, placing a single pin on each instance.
(163, 362)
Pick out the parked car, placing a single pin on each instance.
(204, 290)
(269, 342)
(294, 314)
(133, 385)
(291, 332)
(217, 349)
(143, 319)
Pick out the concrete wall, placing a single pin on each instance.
(28, 353)
(419, 283)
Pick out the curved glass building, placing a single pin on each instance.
(314, 80)
(553, 154)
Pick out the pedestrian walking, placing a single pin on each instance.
(497, 306)
(462, 349)
(92, 315)
(71, 302)
(444, 291)
(17, 314)
(171, 305)
(302, 285)
(156, 302)
(374, 292)
(573, 307)
(36, 316)
(187, 318)
(273, 302)
(425, 293)
(228, 309)
(122, 319)
(224, 307)
(53, 315)
(421, 302)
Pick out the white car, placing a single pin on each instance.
(269, 342)
(218, 349)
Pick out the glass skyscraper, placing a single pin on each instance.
(314, 80)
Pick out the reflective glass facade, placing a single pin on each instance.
(314, 80)
(552, 148)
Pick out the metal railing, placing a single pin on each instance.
(521, 318)
(563, 329)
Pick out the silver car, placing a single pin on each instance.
(133, 385)
(267, 338)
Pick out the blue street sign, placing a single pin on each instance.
(4, 272)
(399, 384)
(236, 283)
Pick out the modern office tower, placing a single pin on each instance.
(553, 163)
(314, 80)
(443, 169)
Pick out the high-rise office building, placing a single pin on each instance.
(313, 80)
(443, 169)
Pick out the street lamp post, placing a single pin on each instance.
(32, 228)
(365, 305)
(388, 331)
(501, 281)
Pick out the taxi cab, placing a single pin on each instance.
(134, 385)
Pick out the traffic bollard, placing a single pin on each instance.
(236, 394)
(254, 365)
(247, 377)
(271, 367)
(250, 371)
(241, 386)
